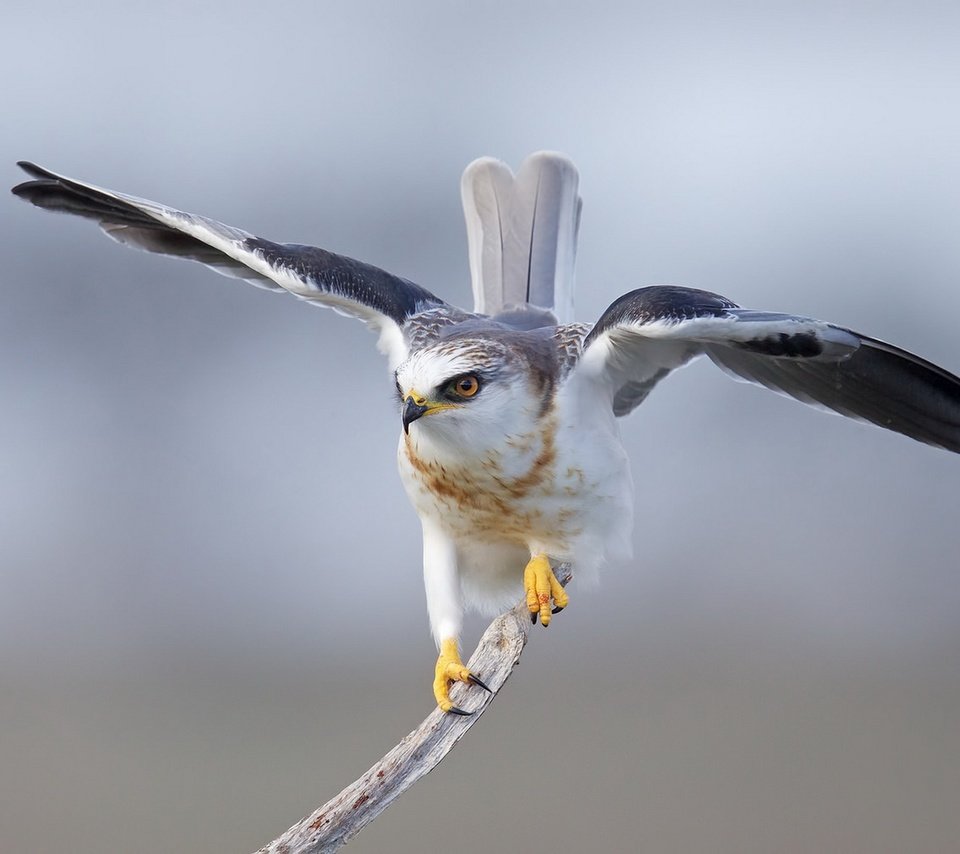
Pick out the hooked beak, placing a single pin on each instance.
(411, 412)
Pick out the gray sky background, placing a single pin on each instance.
(197, 478)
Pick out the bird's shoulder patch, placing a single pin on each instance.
(659, 303)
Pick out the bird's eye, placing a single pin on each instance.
(466, 386)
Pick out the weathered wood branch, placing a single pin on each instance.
(331, 826)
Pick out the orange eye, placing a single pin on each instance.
(466, 386)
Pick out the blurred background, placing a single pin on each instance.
(211, 609)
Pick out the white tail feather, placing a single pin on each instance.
(522, 232)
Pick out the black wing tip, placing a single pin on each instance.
(22, 191)
(34, 191)
(41, 176)
(33, 170)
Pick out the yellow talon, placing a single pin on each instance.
(541, 586)
(451, 669)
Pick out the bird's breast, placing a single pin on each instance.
(519, 491)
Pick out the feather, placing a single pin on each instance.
(384, 301)
(522, 233)
(649, 332)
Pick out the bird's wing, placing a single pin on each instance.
(647, 333)
(522, 232)
(382, 300)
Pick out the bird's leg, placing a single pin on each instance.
(451, 669)
(541, 587)
(442, 582)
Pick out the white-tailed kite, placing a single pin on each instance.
(510, 449)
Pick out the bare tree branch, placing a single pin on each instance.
(334, 824)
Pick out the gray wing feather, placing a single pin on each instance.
(647, 333)
(164, 241)
(878, 383)
(320, 277)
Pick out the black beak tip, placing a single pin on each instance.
(410, 413)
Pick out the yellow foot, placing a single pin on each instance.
(541, 586)
(451, 669)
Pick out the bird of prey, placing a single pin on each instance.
(510, 447)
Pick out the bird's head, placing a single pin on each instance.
(474, 391)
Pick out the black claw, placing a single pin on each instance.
(533, 617)
(456, 710)
(480, 684)
(557, 610)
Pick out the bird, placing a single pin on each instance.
(509, 443)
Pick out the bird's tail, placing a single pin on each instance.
(522, 232)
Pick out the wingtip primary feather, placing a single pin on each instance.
(22, 190)
(35, 171)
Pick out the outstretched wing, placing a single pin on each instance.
(382, 300)
(647, 333)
